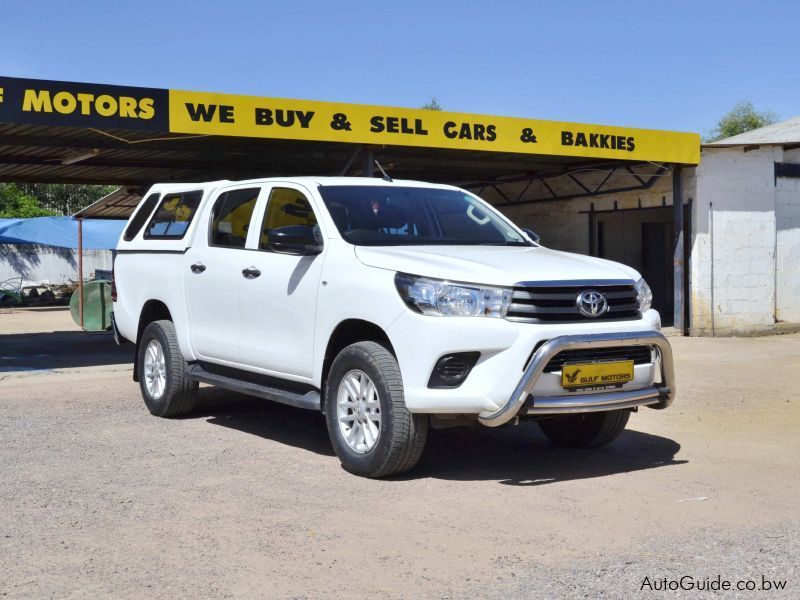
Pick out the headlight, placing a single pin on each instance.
(644, 295)
(441, 298)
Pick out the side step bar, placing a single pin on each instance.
(310, 400)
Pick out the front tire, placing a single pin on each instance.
(372, 431)
(166, 390)
(589, 430)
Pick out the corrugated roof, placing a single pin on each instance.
(37, 154)
(785, 132)
(119, 204)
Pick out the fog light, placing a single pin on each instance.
(451, 370)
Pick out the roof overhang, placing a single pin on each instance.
(52, 131)
(119, 204)
(785, 133)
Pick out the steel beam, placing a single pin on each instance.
(643, 183)
(368, 169)
(351, 160)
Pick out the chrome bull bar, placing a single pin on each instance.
(662, 393)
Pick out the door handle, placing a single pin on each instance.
(251, 273)
(198, 267)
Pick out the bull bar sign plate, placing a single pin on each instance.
(598, 374)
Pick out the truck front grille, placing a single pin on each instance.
(558, 303)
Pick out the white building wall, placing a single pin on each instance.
(787, 218)
(753, 223)
(36, 263)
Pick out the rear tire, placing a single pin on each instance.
(589, 430)
(372, 431)
(166, 390)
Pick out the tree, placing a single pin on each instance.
(433, 104)
(16, 203)
(66, 199)
(742, 117)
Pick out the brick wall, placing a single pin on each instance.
(755, 227)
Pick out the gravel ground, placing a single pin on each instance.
(244, 499)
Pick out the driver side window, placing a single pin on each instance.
(285, 207)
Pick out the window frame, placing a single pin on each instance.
(257, 188)
(141, 210)
(285, 186)
(164, 198)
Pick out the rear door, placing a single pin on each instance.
(278, 304)
(213, 274)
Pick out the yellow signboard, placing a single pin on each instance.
(252, 116)
(100, 106)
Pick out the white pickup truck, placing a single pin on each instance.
(391, 306)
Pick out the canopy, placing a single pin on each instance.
(68, 132)
(98, 234)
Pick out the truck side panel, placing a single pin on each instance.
(152, 270)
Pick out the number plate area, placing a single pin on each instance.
(600, 375)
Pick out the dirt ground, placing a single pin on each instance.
(245, 499)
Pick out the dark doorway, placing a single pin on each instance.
(642, 238)
(657, 266)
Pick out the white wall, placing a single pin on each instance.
(37, 263)
(787, 217)
(754, 223)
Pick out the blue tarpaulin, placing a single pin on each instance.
(98, 234)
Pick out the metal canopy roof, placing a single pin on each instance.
(119, 204)
(41, 154)
(66, 132)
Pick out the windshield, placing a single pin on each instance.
(391, 216)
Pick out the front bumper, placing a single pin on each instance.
(521, 403)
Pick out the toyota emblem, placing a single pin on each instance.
(592, 304)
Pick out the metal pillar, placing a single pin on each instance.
(677, 256)
(80, 270)
(350, 161)
(369, 162)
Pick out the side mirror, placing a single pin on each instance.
(295, 239)
(532, 234)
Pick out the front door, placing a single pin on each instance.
(278, 300)
(213, 274)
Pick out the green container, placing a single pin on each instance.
(96, 306)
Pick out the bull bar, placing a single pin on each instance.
(661, 393)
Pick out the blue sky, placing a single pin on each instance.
(664, 65)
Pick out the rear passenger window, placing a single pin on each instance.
(140, 218)
(285, 207)
(173, 217)
(230, 220)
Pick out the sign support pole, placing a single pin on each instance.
(80, 270)
(678, 257)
